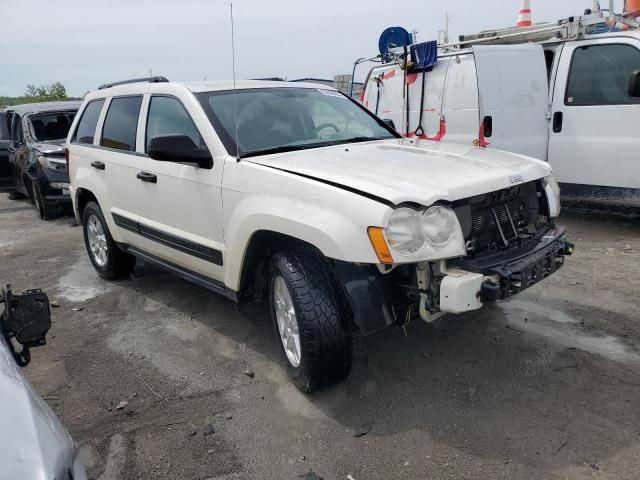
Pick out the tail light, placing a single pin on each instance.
(66, 157)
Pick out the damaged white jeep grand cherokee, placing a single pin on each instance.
(295, 192)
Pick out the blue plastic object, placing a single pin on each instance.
(424, 55)
(393, 37)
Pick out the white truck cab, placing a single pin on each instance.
(556, 92)
(296, 193)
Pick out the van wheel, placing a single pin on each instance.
(109, 261)
(310, 324)
(44, 211)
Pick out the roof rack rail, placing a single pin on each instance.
(156, 79)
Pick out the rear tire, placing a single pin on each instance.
(109, 261)
(44, 211)
(313, 313)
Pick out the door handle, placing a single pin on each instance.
(147, 177)
(487, 126)
(97, 165)
(557, 122)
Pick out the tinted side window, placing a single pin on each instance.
(167, 116)
(16, 129)
(600, 75)
(86, 128)
(121, 123)
(4, 130)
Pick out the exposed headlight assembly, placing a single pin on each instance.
(433, 233)
(552, 190)
(52, 163)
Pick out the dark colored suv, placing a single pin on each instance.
(36, 166)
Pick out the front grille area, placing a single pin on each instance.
(508, 214)
(497, 220)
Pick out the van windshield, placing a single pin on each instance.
(51, 126)
(271, 120)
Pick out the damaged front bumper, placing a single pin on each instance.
(512, 271)
(381, 299)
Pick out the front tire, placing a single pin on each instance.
(310, 324)
(44, 211)
(109, 261)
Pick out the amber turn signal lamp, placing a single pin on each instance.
(379, 244)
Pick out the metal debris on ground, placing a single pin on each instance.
(54, 304)
(122, 404)
(249, 373)
(310, 475)
(363, 429)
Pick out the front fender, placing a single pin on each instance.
(338, 234)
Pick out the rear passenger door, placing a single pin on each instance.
(115, 159)
(180, 205)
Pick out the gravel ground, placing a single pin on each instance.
(544, 386)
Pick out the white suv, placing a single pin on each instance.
(295, 192)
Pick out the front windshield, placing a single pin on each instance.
(51, 126)
(284, 119)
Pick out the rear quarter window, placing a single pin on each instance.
(86, 129)
(121, 123)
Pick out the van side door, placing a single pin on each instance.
(595, 132)
(514, 98)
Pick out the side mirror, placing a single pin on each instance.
(389, 123)
(180, 149)
(27, 319)
(634, 84)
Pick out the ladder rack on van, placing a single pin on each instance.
(571, 28)
(564, 30)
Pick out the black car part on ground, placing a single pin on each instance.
(27, 319)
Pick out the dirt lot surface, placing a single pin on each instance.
(544, 386)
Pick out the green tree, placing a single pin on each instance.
(55, 91)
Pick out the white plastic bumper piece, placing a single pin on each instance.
(460, 291)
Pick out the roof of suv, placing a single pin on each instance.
(201, 86)
(44, 107)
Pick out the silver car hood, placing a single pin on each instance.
(401, 170)
(33, 442)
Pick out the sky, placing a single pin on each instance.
(84, 43)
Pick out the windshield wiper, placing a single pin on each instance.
(280, 149)
(293, 148)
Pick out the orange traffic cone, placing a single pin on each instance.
(633, 7)
(524, 17)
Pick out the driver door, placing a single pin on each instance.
(180, 205)
(7, 183)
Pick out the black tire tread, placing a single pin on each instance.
(324, 336)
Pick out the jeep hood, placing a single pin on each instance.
(402, 170)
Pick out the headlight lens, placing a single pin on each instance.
(52, 163)
(404, 231)
(410, 230)
(439, 225)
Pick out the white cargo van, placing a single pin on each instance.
(572, 99)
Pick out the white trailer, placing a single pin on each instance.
(557, 92)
